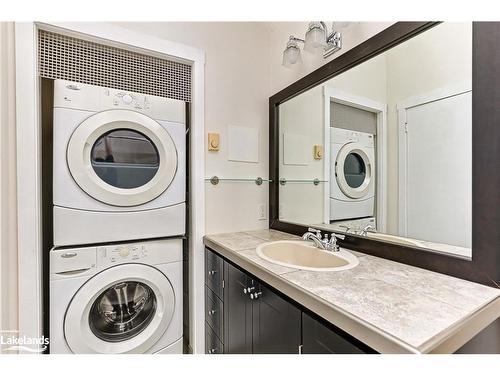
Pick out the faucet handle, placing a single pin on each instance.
(338, 236)
(314, 230)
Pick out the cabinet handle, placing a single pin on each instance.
(212, 351)
(212, 272)
(255, 295)
(248, 289)
(211, 312)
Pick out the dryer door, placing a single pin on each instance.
(353, 171)
(122, 158)
(124, 309)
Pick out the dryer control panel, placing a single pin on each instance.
(342, 136)
(81, 96)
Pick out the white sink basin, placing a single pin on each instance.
(305, 256)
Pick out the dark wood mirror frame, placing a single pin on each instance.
(484, 267)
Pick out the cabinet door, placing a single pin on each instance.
(317, 338)
(237, 311)
(276, 324)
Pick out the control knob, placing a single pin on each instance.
(127, 99)
(124, 252)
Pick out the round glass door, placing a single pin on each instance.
(113, 313)
(122, 311)
(125, 158)
(122, 158)
(353, 171)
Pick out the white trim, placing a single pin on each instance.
(380, 109)
(117, 36)
(197, 212)
(29, 223)
(402, 108)
(28, 141)
(437, 94)
(402, 177)
(326, 155)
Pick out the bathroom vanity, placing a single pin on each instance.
(378, 306)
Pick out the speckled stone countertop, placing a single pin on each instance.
(392, 307)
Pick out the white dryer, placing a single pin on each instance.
(119, 165)
(352, 182)
(121, 298)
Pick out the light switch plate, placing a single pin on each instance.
(213, 142)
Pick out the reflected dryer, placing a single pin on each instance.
(352, 185)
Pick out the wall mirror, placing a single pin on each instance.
(384, 149)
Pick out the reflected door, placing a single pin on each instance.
(436, 173)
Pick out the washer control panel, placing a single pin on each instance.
(84, 261)
(123, 253)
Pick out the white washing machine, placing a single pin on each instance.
(352, 182)
(121, 298)
(119, 165)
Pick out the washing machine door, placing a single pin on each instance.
(124, 309)
(122, 157)
(353, 170)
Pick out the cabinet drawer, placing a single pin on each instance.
(212, 343)
(214, 274)
(214, 312)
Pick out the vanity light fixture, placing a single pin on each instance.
(317, 39)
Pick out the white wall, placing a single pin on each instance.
(303, 116)
(367, 80)
(8, 204)
(237, 76)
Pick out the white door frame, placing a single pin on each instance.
(29, 163)
(402, 107)
(380, 109)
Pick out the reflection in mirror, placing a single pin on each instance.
(383, 150)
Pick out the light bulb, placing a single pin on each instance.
(291, 54)
(315, 39)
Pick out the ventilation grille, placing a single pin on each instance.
(72, 59)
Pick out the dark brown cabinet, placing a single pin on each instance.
(320, 338)
(245, 316)
(276, 324)
(237, 311)
(256, 320)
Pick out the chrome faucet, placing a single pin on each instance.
(368, 228)
(324, 244)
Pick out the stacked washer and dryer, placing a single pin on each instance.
(119, 188)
